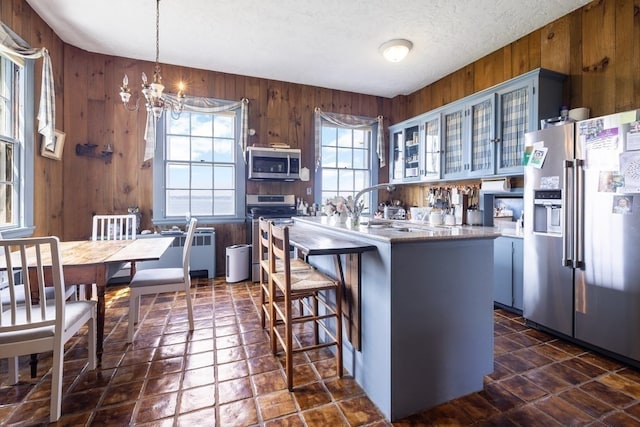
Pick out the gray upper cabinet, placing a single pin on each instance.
(522, 103)
(478, 136)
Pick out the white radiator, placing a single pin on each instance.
(203, 253)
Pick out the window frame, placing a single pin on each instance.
(159, 176)
(373, 166)
(24, 152)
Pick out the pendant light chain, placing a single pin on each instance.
(155, 101)
(157, 76)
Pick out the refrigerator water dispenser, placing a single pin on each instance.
(547, 211)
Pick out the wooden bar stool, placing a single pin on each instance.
(296, 264)
(301, 285)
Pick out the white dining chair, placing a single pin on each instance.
(114, 227)
(160, 280)
(27, 327)
(71, 293)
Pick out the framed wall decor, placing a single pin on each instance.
(58, 146)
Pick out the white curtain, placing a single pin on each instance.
(12, 46)
(199, 105)
(351, 122)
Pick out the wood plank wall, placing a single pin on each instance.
(598, 46)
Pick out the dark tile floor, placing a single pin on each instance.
(225, 375)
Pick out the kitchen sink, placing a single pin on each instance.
(407, 228)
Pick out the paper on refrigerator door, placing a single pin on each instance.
(630, 171)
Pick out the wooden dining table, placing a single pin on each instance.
(87, 262)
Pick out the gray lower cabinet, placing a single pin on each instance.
(508, 272)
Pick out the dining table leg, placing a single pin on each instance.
(101, 286)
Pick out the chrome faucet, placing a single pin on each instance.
(389, 187)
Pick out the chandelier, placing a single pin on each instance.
(156, 102)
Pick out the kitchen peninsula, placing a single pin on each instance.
(426, 311)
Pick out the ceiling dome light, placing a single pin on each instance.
(395, 50)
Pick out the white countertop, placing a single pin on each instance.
(406, 231)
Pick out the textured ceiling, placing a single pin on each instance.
(329, 43)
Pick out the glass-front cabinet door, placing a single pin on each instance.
(453, 143)
(431, 148)
(481, 114)
(397, 155)
(515, 106)
(405, 152)
(412, 153)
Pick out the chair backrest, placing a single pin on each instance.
(37, 254)
(114, 227)
(186, 250)
(3, 275)
(263, 238)
(279, 250)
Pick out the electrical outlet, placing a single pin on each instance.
(308, 191)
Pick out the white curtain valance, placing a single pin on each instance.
(199, 105)
(351, 122)
(13, 47)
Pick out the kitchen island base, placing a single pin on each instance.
(426, 319)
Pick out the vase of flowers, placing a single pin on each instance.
(344, 210)
(353, 221)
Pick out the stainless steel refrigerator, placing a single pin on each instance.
(582, 231)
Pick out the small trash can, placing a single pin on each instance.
(238, 263)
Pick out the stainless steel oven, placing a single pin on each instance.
(279, 208)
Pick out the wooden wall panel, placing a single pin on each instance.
(599, 60)
(489, 71)
(624, 72)
(576, 96)
(555, 48)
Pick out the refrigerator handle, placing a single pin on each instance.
(566, 251)
(578, 214)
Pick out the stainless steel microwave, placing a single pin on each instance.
(274, 163)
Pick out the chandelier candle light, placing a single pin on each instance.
(156, 102)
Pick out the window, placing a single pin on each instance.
(16, 148)
(199, 168)
(346, 159)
